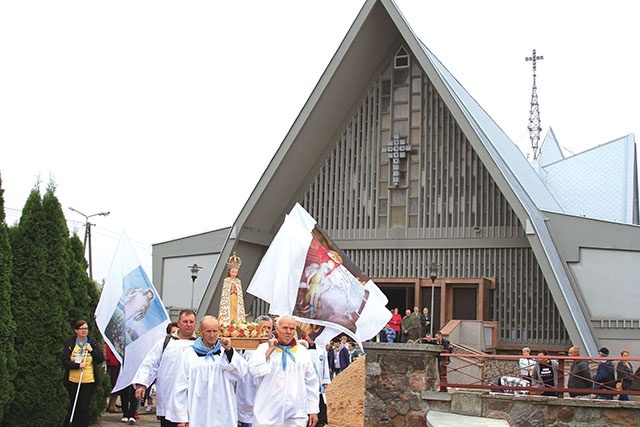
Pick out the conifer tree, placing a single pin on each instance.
(7, 325)
(40, 303)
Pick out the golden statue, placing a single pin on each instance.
(231, 300)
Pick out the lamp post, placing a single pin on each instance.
(433, 273)
(87, 234)
(194, 269)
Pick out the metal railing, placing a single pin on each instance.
(502, 374)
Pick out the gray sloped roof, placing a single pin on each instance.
(550, 150)
(507, 156)
(598, 183)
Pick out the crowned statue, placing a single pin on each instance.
(232, 301)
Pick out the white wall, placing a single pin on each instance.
(176, 277)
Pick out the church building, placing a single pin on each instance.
(403, 169)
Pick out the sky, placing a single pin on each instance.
(166, 113)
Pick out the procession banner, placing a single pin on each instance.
(303, 273)
(130, 314)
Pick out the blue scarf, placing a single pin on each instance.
(202, 350)
(286, 351)
(82, 344)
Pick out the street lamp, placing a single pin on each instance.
(87, 234)
(433, 273)
(195, 268)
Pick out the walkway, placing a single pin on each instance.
(147, 419)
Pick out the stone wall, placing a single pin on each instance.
(396, 377)
(537, 411)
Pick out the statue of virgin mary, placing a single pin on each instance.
(232, 300)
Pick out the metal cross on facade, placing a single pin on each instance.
(396, 149)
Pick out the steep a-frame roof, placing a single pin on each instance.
(598, 183)
(375, 31)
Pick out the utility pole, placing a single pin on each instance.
(534, 113)
(87, 234)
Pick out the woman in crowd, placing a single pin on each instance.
(396, 320)
(624, 374)
(80, 357)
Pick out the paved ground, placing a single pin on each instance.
(147, 419)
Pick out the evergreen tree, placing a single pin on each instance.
(40, 303)
(7, 325)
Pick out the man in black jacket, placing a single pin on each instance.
(605, 377)
(579, 375)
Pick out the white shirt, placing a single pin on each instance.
(284, 397)
(162, 366)
(321, 364)
(246, 392)
(204, 395)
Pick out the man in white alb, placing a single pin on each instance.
(161, 364)
(204, 392)
(288, 391)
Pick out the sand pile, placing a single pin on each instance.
(345, 396)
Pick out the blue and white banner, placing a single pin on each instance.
(303, 273)
(130, 314)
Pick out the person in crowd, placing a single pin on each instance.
(545, 374)
(322, 369)
(624, 374)
(338, 358)
(396, 322)
(204, 393)
(526, 364)
(410, 326)
(81, 357)
(441, 341)
(353, 352)
(147, 400)
(288, 390)
(247, 386)
(605, 377)
(389, 333)
(428, 339)
(162, 363)
(579, 375)
(129, 404)
(382, 335)
(425, 321)
(343, 341)
(113, 370)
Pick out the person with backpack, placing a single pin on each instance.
(162, 363)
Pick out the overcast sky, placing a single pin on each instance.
(166, 113)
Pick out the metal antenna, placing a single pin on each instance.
(534, 114)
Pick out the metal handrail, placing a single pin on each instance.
(564, 362)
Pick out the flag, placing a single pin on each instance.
(303, 273)
(130, 314)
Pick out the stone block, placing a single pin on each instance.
(466, 404)
(621, 417)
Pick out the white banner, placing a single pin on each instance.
(306, 275)
(130, 314)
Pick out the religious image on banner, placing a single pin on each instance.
(138, 311)
(331, 287)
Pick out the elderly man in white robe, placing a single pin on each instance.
(161, 364)
(288, 391)
(204, 393)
